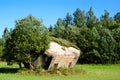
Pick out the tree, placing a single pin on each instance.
(90, 18)
(59, 29)
(6, 34)
(71, 33)
(117, 17)
(0, 51)
(2, 42)
(105, 19)
(98, 39)
(87, 41)
(28, 40)
(60, 22)
(107, 46)
(68, 19)
(116, 36)
(79, 18)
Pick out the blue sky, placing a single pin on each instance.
(50, 10)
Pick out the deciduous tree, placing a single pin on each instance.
(28, 40)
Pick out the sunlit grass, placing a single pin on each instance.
(83, 72)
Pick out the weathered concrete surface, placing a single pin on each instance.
(58, 56)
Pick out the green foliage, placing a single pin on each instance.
(90, 18)
(79, 18)
(68, 19)
(106, 21)
(6, 34)
(70, 33)
(28, 40)
(87, 42)
(107, 46)
(117, 17)
(59, 31)
(116, 36)
(63, 42)
(2, 43)
(1, 51)
(98, 39)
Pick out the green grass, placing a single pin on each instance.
(84, 72)
(63, 42)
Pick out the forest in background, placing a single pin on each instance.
(97, 38)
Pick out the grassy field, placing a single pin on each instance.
(84, 72)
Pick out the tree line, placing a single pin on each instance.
(97, 38)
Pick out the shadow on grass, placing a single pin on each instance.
(9, 70)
